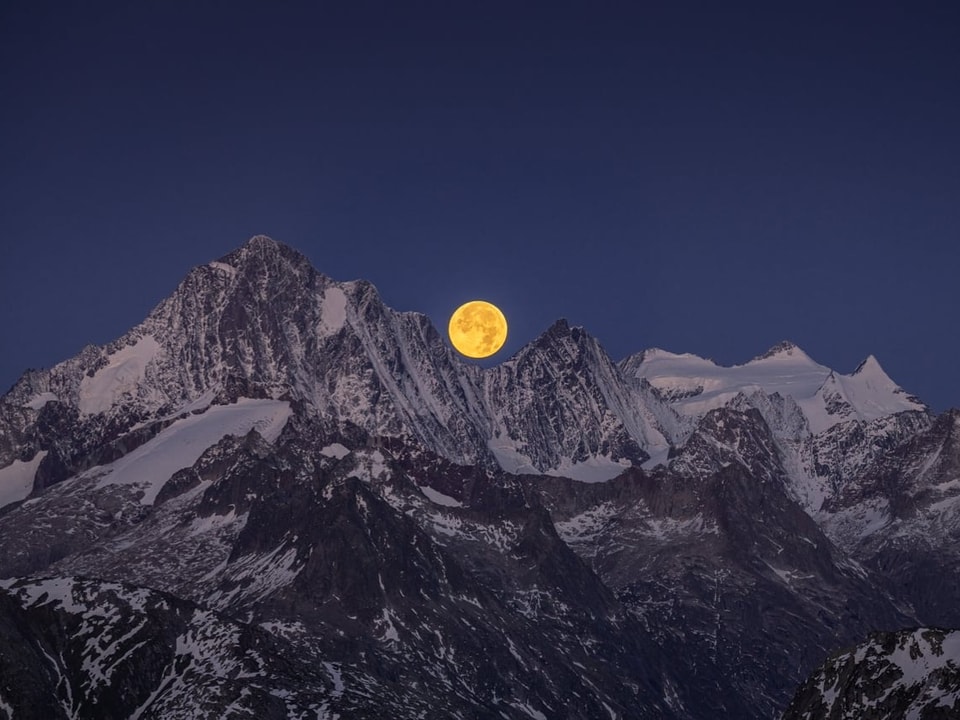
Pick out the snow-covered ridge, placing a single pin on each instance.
(181, 444)
(695, 385)
(261, 322)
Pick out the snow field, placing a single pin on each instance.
(16, 480)
(123, 374)
(181, 444)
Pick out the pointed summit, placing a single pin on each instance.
(557, 331)
(262, 251)
(869, 374)
(870, 368)
(560, 326)
(867, 393)
(785, 349)
(564, 346)
(263, 246)
(261, 241)
(561, 334)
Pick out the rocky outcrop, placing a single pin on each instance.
(906, 674)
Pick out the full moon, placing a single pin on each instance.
(477, 329)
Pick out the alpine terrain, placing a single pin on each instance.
(276, 497)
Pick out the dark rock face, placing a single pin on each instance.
(907, 674)
(81, 648)
(908, 497)
(563, 398)
(366, 555)
(730, 569)
(476, 610)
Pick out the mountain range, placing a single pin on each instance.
(278, 497)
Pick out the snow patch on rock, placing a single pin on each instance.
(438, 498)
(598, 468)
(125, 370)
(223, 267)
(333, 312)
(16, 480)
(335, 450)
(40, 400)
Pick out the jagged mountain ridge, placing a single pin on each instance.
(365, 417)
(391, 546)
(261, 322)
(696, 385)
(468, 607)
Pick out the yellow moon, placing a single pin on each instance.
(477, 329)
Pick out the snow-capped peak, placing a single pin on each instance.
(870, 367)
(868, 393)
(651, 355)
(784, 352)
(264, 255)
(784, 348)
(263, 243)
(257, 247)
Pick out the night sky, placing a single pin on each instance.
(677, 175)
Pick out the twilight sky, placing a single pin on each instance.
(702, 177)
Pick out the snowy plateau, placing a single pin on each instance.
(276, 497)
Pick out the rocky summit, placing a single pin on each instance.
(276, 497)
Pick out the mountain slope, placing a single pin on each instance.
(475, 602)
(714, 556)
(283, 454)
(80, 648)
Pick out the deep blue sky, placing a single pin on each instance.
(693, 176)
